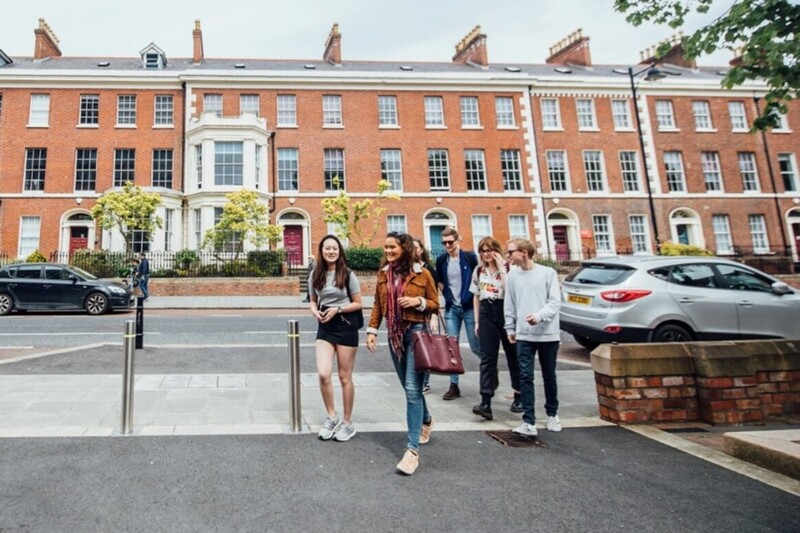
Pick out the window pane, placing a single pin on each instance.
(512, 173)
(28, 235)
(434, 111)
(40, 110)
(163, 110)
(334, 169)
(85, 169)
(469, 111)
(249, 103)
(557, 170)
(387, 111)
(673, 166)
(586, 117)
(332, 110)
(601, 224)
(664, 115)
(124, 166)
(551, 116)
(287, 110)
(711, 171)
(722, 234)
(35, 166)
(162, 168)
(758, 232)
(621, 114)
(396, 223)
(228, 165)
(738, 116)
(640, 241)
(504, 109)
(518, 226)
(481, 227)
(90, 109)
(212, 103)
(788, 168)
(126, 109)
(747, 169)
(438, 170)
(392, 169)
(593, 167)
(475, 170)
(288, 165)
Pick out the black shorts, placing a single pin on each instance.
(338, 335)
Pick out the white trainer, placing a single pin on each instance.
(553, 423)
(526, 430)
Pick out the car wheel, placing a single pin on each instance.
(672, 333)
(96, 303)
(586, 342)
(6, 304)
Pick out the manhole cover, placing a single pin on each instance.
(512, 440)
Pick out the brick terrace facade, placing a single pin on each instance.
(550, 152)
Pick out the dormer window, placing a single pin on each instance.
(153, 57)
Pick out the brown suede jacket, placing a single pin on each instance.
(419, 284)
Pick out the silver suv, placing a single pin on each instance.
(675, 299)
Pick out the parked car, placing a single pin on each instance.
(675, 299)
(43, 286)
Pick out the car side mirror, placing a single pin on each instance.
(780, 288)
(73, 278)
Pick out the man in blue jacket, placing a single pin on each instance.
(144, 275)
(454, 272)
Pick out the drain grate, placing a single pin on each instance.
(685, 430)
(512, 440)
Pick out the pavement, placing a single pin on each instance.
(212, 448)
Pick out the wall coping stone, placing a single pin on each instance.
(646, 359)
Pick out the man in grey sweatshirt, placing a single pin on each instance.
(531, 308)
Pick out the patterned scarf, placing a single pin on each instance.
(394, 315)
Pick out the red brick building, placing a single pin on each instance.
(550, 152)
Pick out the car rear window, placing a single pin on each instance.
(600, 274)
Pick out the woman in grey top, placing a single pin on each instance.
(335, 303)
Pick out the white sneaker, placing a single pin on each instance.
(526, 430)
(329, 427)
(345, 433)
(553, 423)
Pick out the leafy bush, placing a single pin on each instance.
(268, 263)
(102, 263)
(185, 259)
(363, 258)
(36, 257)
(674, 248)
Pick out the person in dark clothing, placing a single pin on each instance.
(144, 274)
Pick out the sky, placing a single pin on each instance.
(518, 31)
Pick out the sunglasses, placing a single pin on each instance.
(486, 250)
(509, 252)
(447, 243)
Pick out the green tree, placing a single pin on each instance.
(348, 214)
(128, 210)
(244, 219)
(763, 31)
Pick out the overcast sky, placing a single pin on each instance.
(518, 31)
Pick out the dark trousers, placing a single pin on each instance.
(491, 334)
(548, 351)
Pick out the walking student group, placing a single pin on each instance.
(501, 297)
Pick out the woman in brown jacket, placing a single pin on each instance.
(405, 294)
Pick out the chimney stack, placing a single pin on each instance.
(674, 56)
(333, 47)
(197, 37)
(46, 44)
(738, 57)
(572, 49)
(471, 50)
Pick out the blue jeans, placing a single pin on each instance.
(453, 318)
(143, 285)
(548, 351)
(416, 408)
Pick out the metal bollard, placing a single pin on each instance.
(139, 323)
(127, 377)
(293, 335)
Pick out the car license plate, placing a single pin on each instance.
(583, 300)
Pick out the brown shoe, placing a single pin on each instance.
(425, 436)
(409, 463)
(452, 393)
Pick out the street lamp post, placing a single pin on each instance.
(651, 74)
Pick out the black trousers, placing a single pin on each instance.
(491, 334)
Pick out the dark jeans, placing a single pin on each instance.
(143, 285)
(491, 334)
(548, 351)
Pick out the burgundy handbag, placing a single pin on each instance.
(437, 353)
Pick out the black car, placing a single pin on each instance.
(51, 286)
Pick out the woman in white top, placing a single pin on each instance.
(489, 288)
(336, 304)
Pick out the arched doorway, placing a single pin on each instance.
(77, 232)
(564, 240)
(793, 221)
(435, 223)
(295, 236)
(685, 227)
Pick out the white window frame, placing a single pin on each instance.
(35, 169)
(640, 235)
(749, 172)
(592, 167)
(162, 167)
(674, 158)
(481, 227)
(89, 110)
(665, 115)
(511, 168)
(258, 166)
(212, 103)
(518, 227)
(603, 222)
(288, 169)
(29, 235)
(126, 110)
(787, 166)
(551, 114)
(712, 172)
(387, 111)
(39, 114)
(721, 226)
(287, 110)
(397, 223)
(470, 112)
(587, 117)
(629, 171)
(475, 170)
(504, 112)
(434, 112)
(198, 164)
(246, 104)
(228, 168)
(439, 171)
(392, 168)
(332, 111)
(701, 110)
(163, 110)
(198, 227)
(121, 176)
(85, 169)
(334, 167)
(552, 159)
(621, 114)
(758, 234)
(738, 115)
(169, 222)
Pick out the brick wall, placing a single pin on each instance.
(287, 286)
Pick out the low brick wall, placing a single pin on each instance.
(720, 383)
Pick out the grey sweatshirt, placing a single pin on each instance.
(535, 291)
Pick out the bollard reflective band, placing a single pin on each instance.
(129, 336)
(292, 334)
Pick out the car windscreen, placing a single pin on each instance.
(600, 274)
(82, 273)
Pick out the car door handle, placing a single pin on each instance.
(686, 300)
(745, 303)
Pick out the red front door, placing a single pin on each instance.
(561, 242)
(293, 244)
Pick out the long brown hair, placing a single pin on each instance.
(492, 243)
(402, 265)
(342, 276)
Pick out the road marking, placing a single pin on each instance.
(70, 334)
